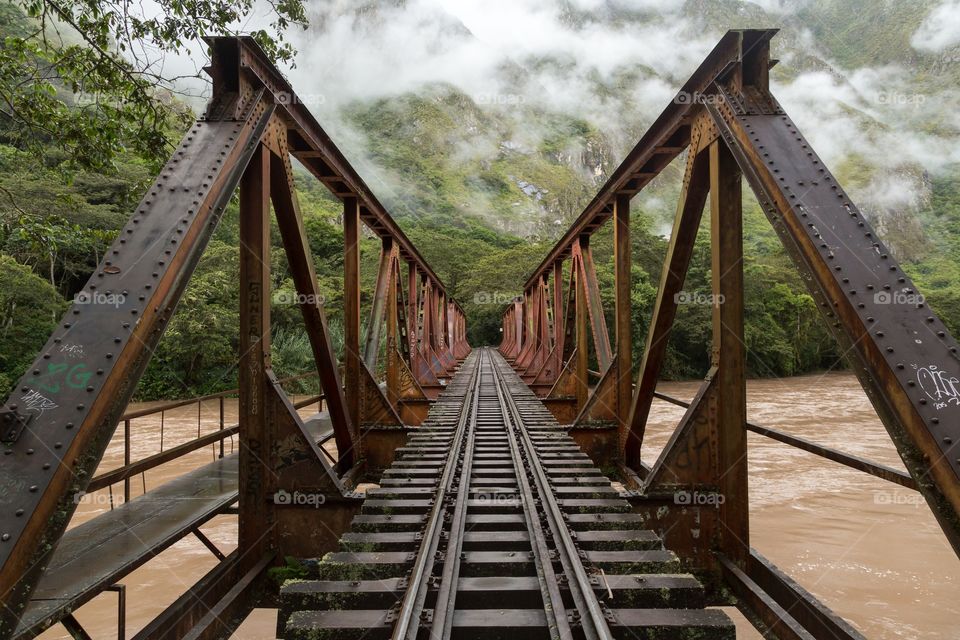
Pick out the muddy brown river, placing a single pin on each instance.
(869, 549)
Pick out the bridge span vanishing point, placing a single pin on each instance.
(512, 500)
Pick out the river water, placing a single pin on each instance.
(869, 549)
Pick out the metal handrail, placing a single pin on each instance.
(176, 404)
(130, 468)
(854, 462)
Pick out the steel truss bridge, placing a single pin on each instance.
(495, 514)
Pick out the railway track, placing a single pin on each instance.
(493, 524)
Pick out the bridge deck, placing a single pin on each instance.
(492, 523)
(101, 551)
(97, 553)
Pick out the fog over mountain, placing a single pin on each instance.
(873, 85)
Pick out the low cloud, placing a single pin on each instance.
(615, 64)
(940, 29)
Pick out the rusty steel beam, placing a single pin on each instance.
(351, 306)
(55, 428)
(214, 606)
(662, 142)
(65, 412)
(693, 196)
(559, 320)
(581, 370)
(255, 425)
(902, 352)
(583, 256)
(297, 249)
(371, 343)
(311, 144)
(623, 318)
(728, 348)
(394, 320)
(786, 610)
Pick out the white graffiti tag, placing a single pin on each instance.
(74, 351)
(940, 386)
(36, 402)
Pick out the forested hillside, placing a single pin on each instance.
(484, 181)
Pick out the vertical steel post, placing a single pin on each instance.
(221, 425)
(126, 459)
(728, 353)
(581, 373)
(622, 265)
(558, 318)
(254, 517)
(393, 318)
(351, 306)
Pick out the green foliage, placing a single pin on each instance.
(292, 569)
(62, 223)
(80, 74)
(491, 282)
(29, 309)
(198, 352)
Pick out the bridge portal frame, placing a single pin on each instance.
(732, 129)
(57, 425)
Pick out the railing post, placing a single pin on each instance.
(221, 425)
(126, 459)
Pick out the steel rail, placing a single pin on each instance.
(579, 582)
(407, 625)
(546, 575)
(447, 589)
